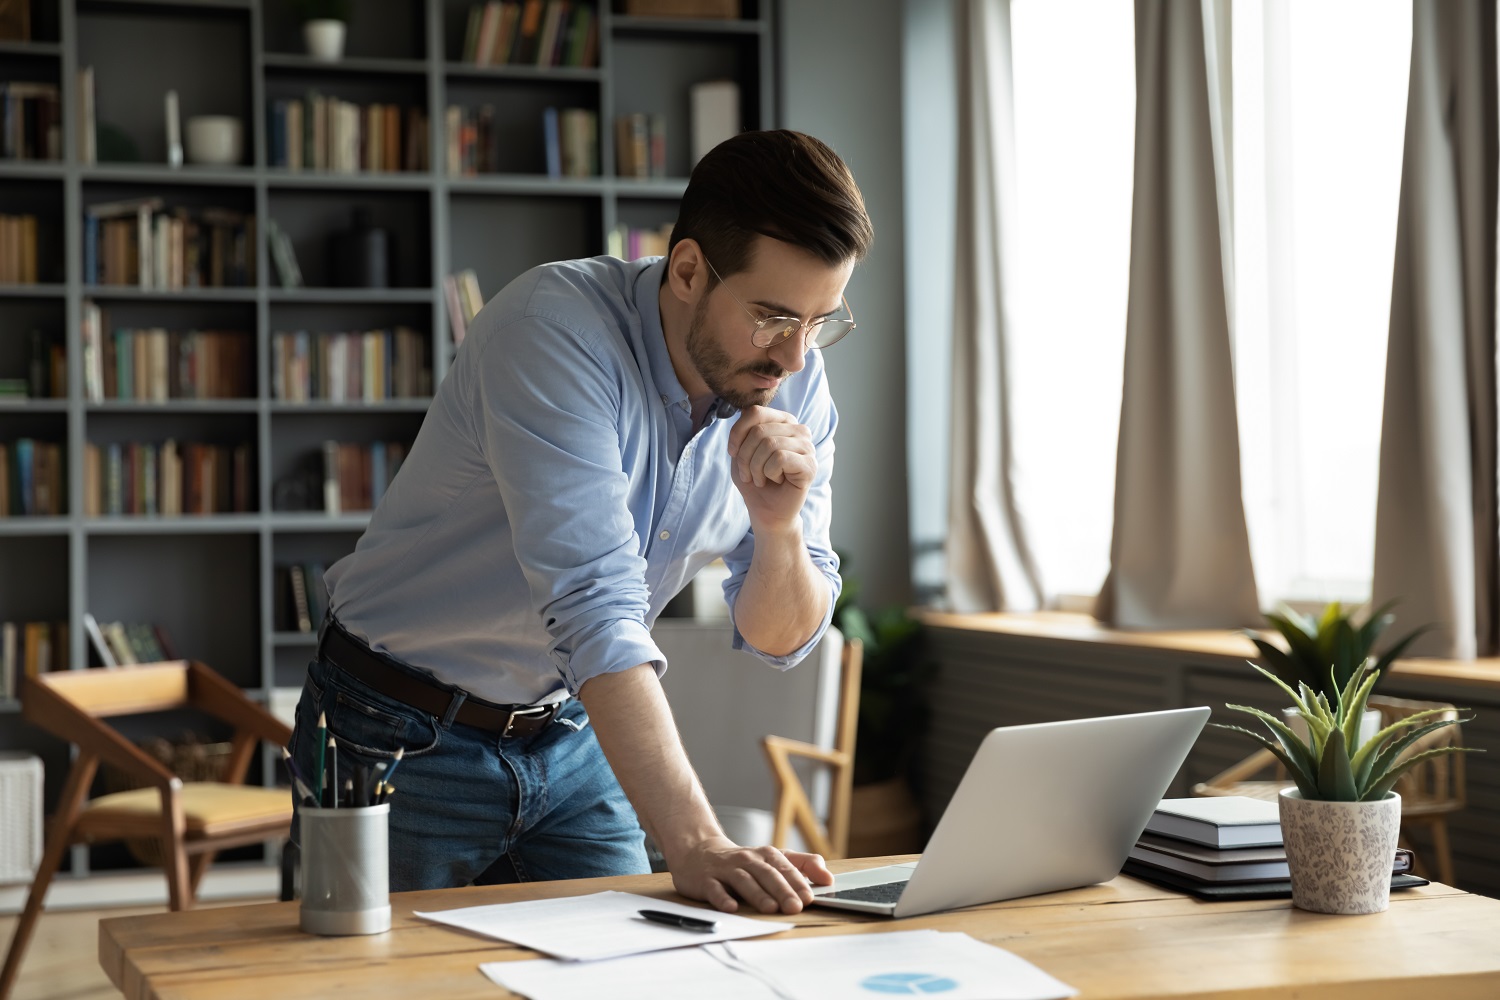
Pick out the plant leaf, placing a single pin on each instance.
(1390, 655)
(1353, 706)
(1335, 778)
(1296, 698)
(1376, 623)
(1379, 789)
(1285, 734)
(1305, 782)
(1387, 757)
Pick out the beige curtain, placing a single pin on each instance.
(1435, 530)
(1180, 557)
(990, 567)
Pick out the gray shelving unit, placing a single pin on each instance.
(210, 579)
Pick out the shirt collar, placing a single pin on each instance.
(658, 358)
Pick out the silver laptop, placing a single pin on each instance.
(1041, 808)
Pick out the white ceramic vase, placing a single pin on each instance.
(324, 38)
(1340, 853)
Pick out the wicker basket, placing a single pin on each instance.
(190, 759)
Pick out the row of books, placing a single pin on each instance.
(462, 296)
(46, 372)
(355, 476)
(31, 478)
(641, 145)
(571, 137)
(118, 644)
(322, 132)
(1219, 846)
(348, 367)
(156, 365)
(470, 140)
(18, 250)
(532, 33)
(166, 479)
(28, 649)
(30, 121)
(301, 598)
(631, 243)
(141, 242)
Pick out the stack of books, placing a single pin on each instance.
(1219, 847)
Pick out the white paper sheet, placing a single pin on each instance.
(839, 967)
(598, 926)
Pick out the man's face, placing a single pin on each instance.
(782, 280)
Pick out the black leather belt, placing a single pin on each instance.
(357, 660)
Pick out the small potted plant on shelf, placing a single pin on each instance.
(323, 27)
(1330, 640)
(1341, 820)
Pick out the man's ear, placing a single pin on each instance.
(687, 272)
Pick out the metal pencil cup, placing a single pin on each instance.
(346, 870)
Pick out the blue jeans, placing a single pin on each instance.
(471, 807)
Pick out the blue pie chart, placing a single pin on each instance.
(909, 984)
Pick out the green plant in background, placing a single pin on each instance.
(1330, 639)
(1329, 766)
(323, 10)
(892, 709)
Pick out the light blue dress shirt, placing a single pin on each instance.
(556, 496)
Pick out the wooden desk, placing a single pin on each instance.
(1123, 939)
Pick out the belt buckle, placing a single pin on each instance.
(530, 711)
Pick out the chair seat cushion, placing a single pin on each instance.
(210, 808)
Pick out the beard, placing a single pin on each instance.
(716, 368)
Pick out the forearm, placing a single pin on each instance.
(633, 722)
(785, 597)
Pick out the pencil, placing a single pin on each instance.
(395, 763)
(333, 774)
(322, 738)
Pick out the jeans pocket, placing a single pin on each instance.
(368, 723)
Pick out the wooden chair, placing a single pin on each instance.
(792, 802)
(1429, 792)
(192, 821)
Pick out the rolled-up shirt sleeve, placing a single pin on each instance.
(821, 418)
(550, 433)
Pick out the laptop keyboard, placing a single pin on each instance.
(885, 892)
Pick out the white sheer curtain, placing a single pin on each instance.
(990, 566)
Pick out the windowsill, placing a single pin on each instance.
(1062, 626)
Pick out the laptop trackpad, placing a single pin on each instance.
(870, 876)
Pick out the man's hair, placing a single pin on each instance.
(782, 184)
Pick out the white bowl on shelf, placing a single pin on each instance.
(215, 140)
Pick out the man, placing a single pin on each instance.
(608, 429)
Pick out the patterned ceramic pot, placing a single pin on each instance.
(1340, 853)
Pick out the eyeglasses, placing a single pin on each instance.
(774, 330)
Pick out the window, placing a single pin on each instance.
(1319, 120)
(1074, 72)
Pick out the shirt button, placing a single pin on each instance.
(665, 535)
(663, 399)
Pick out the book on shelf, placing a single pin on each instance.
(28, 649)
(542, 33)
(470, 140)
(283, 256)
(88, 149)
(571, 137)
(356, 476)
(1219, 821)
(95, 635)
(322, 132)
(157, 365)
(140, 242)
(714, 114)
(641, 145)
(166, 479)
(31, 478)
(368, 367)
(463, 299)
(632, 243)
(30, 121)
(301, 597)
(18, 250)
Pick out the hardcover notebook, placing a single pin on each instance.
(1219, 821)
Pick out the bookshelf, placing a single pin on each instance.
(211, 580)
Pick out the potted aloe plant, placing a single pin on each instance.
(1325, 651)
(1341, 821)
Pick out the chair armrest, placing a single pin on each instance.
(218, 697)
(797, 748)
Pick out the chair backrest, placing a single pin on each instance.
(1437, 780)
(110, 691)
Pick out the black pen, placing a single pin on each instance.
(678, 920)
